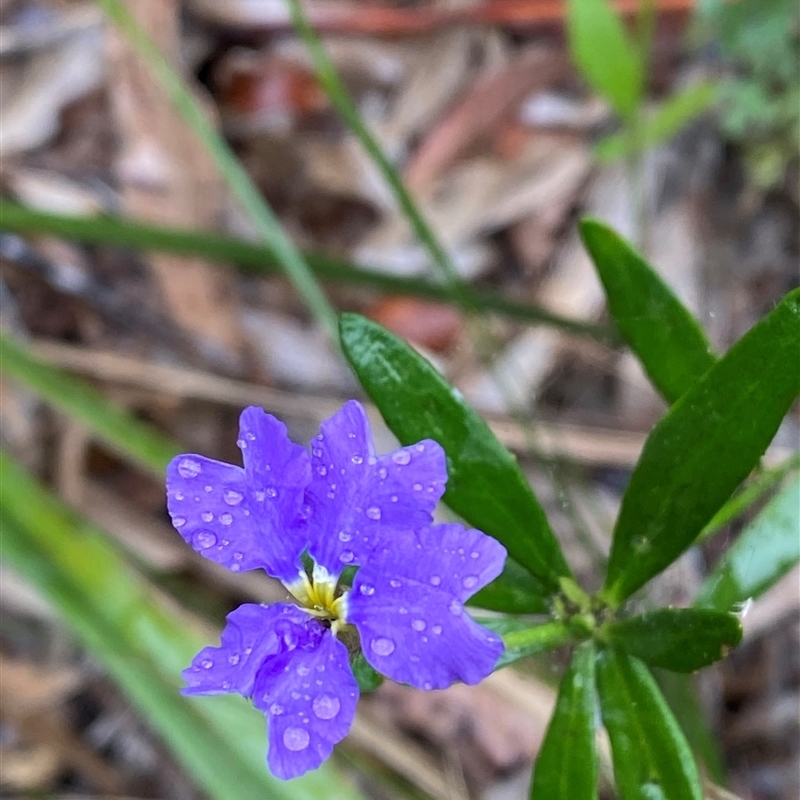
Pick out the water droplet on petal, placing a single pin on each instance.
(373, 512)
(474, 554)
(325, 706)
(206, 663)
(382, 647)
(226, 685)
(241, 444)
(418, 625)
(204, 539)
(402, 610)
(427, 686)
(316, 452)
(357, 459)
(417, 487)
(395, 584)
(456, 607)
(233, 660)
(235, 567)
(179, 495)
(225, 519)
(232, 497)
(179, 522)
(208, 488)
(271, 492)
(344, 536)
(394, 498)
(470, 581)
(435, 580)
(302, 670)
(366, 589)
(189, 468)
(346, 556)
(259, 495)
(382, 473)
(296, 739)
(207, 516)
(437, 629)
(401, 457)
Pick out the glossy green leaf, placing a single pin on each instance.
(605, 54)
(485, 486)
(652, 760)
(704, 447)
(260, 259)
(368, 679)
(143, 644)
(111, 423)
(566, 767)
(659, 329)
(523, 638)
(662, 124)
(678, 639)
(515, 591)
(762, 554)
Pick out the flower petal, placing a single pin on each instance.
(309, 697)
(357, 498)
(252, 634)
(407, 603)
(244, 518)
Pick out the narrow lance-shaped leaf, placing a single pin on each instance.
(704, 448)
(764, 552)
(678, 639)
(652, 760)
(142, 644)
(566, 767)
(522, 638)
(115, 426)
(485, 484)
(605, 54)
(661, 331)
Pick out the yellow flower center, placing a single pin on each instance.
(317, 595)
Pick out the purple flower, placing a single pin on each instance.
(344, 507)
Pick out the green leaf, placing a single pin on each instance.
(522, 639)
(652, 760)
(566, 767)
(113, 425)
(605, 54)
(704, 447)
(763, 553)
(662, 124)
(660, 330)
(485, 486)
(143, 644)
(514, 591)
(260, 259)
(678, 639)
(368, 679)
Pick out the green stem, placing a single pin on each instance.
(239, 182)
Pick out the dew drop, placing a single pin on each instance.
(322, 470)
(179, 522)
(394, 498)
(241, 444)
(373, 512)
(296, 739)
(346, 556)
(233, 660)
(204, 539)
(302, 670)
(316, 452)
(325, 706)
(259, 495)
(470, 581)
(189, 468)
(437, 629)
(232, 498)
(402, 610)
(382, 473)
(357, 459)
(395, 584)
(179, 495)
(207, 516)
(271, 491)
(366, 589)
(206, 663)
(226, 685)
(225, 519)
(417, 487)
(235, 567)
(435, 580)
(344, 536)
(474, 554)
(382, 647)
(208, 488)
(418, 625)
(427, 686)
(456, 608)
(401, 457)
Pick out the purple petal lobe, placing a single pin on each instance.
(253, 634)
(244, 518)
(309, 696)
(358, 499)
(407, 603)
